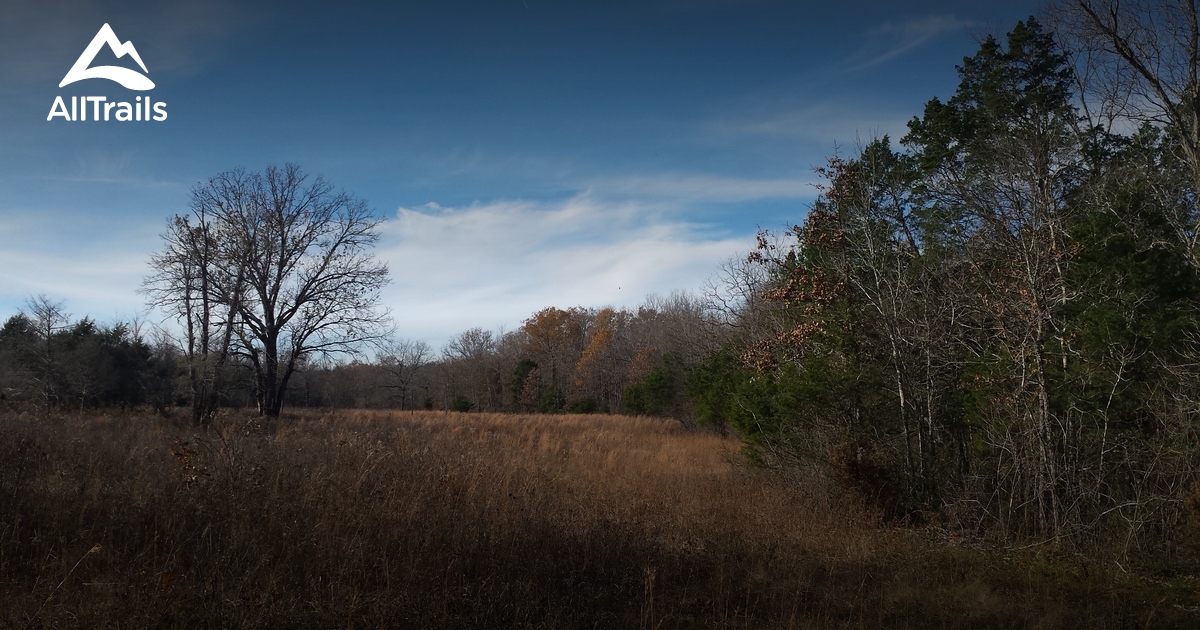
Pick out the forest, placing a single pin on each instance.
(989, 326)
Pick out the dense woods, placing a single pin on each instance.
(995, 321)
(50, 363)
(990, 323)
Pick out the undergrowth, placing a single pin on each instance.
(373, 519)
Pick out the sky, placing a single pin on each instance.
(521, 153)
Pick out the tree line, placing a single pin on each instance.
(573, 360)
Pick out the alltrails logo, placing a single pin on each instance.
(102, 109)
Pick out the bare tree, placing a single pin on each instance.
(191, 282)
(1142, 58)
(402, 359)
(734, 292)
(470, 359)
(47, 318)
(1138, 61)
(279, 266)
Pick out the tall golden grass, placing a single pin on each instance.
(440, 520)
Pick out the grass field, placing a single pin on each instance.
(360, 519)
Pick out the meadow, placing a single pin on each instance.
(370, 519)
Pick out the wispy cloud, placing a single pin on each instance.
(893, 39)
(830, 121)
(685, 187)
(497, 263)
(485, 264)
(96, 266)
(563, 175)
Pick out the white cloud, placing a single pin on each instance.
(487, 264)
(89, 262)
(495, 264)
(893, 39)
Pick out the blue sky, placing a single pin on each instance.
(523, 153)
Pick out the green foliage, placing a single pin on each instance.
(1137, 301)
(520, 374)
(551, 401)
(785, 410)
(585, 405)
(1016, 92)
(659, 392)
(710, 387)
(461, 403)
(82, 365)
(997, 322)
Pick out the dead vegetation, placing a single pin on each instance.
(376, 519)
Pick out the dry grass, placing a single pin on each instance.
(371, 519)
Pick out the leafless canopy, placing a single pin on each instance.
(272, 267)
(1139, 60)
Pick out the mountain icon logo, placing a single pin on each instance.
(128, 78)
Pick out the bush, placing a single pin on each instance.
(587, 405)
(461, 404)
